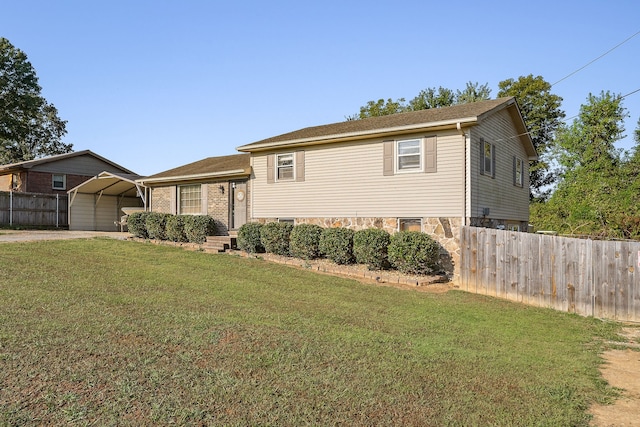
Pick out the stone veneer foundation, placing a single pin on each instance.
(445, 231)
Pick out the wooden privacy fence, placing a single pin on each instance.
(33, 209)
(587, 277)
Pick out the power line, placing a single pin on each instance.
(599, 57)
(564, 120)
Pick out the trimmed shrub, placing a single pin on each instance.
(198, 227)
(413, 252)
(137, 224)
(275, 237)
(304, 241)
(156, 223)
(337, 245)
(175, 229)
(370, 248)
(249, 238)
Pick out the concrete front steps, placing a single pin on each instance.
(219, 244)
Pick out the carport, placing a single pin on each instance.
(97, 204)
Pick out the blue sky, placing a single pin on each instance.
(157, 84)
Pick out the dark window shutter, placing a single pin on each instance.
(271, 172)
(300, 166)
(493, 161)
(514, 171)
(481, 156)
(430, 159)
(387, 157)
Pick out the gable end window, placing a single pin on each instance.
(190, 199)
(487, 158)
(59, 182)
(518, 172)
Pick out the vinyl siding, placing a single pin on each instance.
(81, 213)
(505, 200)
(347, 180)
(79, 165)
(85, 214)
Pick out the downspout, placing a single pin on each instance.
(464, 173)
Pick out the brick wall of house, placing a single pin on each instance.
(162, 199)
(218, 205)
(42, 182)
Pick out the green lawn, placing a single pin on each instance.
(107, 332)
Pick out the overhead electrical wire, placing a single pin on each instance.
(599, 57)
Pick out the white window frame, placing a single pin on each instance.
(192, 209)
(63, 180)
(404, 220)
(513, 227)
(399, 155)
(519, 174)
(278, 167)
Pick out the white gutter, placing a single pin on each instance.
(143, 181)
(354, 135)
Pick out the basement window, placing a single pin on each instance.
(410, 224)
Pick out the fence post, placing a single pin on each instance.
(590, 281)
(10, 208)
(57, 209)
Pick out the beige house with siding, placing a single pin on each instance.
(433, 170)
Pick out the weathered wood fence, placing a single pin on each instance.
(33, 209)
(587, 277)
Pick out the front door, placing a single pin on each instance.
(238, 204)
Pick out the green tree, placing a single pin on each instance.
(432, 98)
(473, 92)
(595, 195)
(380, 108)
(541, 112)
(29, 126)
(427, 98)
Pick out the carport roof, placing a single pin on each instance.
(110, 184)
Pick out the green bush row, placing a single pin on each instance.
(176, 228)
(410, 252)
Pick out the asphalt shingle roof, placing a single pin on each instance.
(425, 117)
(210, 165)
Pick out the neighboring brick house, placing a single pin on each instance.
(215, 186)
(55, 174)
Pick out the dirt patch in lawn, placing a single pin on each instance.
(621, 370)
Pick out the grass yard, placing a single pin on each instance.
(107, 332)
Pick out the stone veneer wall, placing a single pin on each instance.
(445, 231)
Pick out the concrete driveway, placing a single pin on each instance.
(9, 236)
